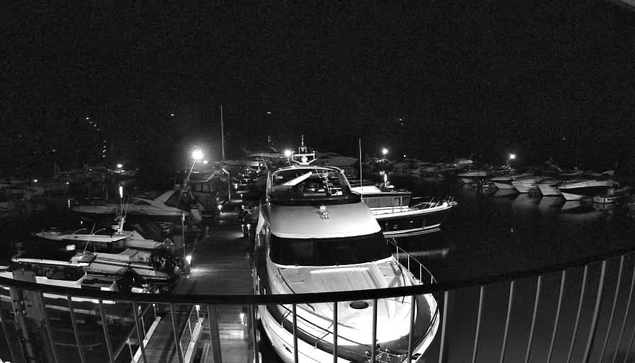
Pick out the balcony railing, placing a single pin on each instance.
(578, 311)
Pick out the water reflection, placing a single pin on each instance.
(506, 193)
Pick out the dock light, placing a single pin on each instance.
(384, 151)
(512, 156)
(119, 166)
(35, 180)
(197, 155)
(188, 259)
(288, 153)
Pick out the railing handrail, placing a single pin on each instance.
(321, 297)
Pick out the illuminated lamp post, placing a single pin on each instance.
(288, 153)
(510, 157)
(196, 155)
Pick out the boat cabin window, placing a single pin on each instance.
(67, 273)
(329, 251)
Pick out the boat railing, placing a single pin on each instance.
(424, 276)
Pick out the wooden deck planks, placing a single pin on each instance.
(220, 265)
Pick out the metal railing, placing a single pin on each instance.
(577, 311)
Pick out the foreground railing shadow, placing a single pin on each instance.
(578, 311)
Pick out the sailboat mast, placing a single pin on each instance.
(360, 162)
(222, 134)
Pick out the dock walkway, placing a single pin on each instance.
(220, 266)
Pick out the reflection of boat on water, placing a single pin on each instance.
(314, 235)
(524, 201)
(401, 215)
(506, 193)
(571, 205)
(547, 203)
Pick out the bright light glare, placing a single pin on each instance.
(188, 258)
(205, 162)
(197, 154)
(287, 153)
(35, 180)
(119, 166)
(121, 191)
(384, 151)
(512, 156)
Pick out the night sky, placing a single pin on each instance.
(434, 80)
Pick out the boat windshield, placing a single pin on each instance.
(329, 251)
(308, 185)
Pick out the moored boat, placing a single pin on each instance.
(612, 195)
(315, 235)
(401, 215)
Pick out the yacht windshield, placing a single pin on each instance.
(329, 251)
(298, 186)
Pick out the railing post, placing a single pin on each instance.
(413, 302)
(610, 323)
(596, 313)
(104, 325)
(373, 344)
(533, 318)
(510, 301)
(214, 333)
(446, 297)
(140, 333)
(577, 318)
(563, 279)
(478, 322)
(74, 323)
(295, 333)
(177, 342)
(335, 332)
(626, 311)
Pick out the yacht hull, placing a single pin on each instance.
(549, 190)
(504, 186)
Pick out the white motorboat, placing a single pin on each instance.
(526, 183)
(472, 176)
(117, 252)
(586, 188)
(314, 236)
(400, 216)
(549, 187)
(171, 206)
(58, 268)
(504, 181)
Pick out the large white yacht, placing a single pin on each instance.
(314, 235)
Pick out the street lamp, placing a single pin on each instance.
(384, 152)
(510, 157)
(196, 155)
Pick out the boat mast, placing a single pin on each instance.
(222, 135)
(360, 162)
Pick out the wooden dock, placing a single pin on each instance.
(220, 265)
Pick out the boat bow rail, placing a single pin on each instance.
(598, 332)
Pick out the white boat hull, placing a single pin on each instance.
(282, 340)
(504, 186)
(571, 196)
(549, 190)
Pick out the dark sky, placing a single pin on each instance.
(539, 78)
